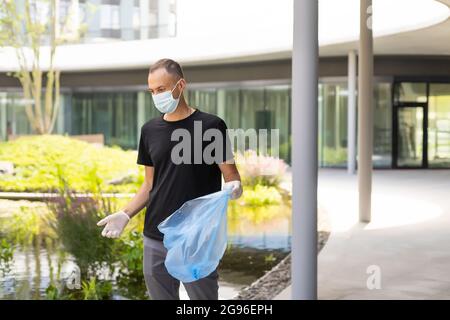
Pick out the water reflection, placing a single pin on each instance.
(265, 228)
(258, 239)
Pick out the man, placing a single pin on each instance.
(168, 183)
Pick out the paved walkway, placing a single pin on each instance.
(407, 243)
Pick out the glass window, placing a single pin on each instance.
(3, 123)
(17, 122)
(124, 106)
(204, 99)
(81, 113)
(136, 18)
(250, 108)
(382, 122)
(332, 125)
(228, 107)
(410, 136)
(411, 92)
(112, 113)
(278, 102)
(252, 101)
(150, 109)
(439, 125)
(109, 16)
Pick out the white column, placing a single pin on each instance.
(351, 113)
(365, 110)
(144, 16)
(304, 149)
(126, 19)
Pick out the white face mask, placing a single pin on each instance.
(165, 102)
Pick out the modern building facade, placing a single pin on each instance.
(241, 71)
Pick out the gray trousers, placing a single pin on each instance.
(162, 286)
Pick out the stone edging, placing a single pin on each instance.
(275, 280)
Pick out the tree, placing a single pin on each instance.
(32, 30)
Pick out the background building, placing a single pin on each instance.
(239, 67)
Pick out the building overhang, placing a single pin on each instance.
(407, 27)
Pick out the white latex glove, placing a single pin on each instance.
(115, 223)
(236, 188)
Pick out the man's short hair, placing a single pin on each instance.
(172, 67)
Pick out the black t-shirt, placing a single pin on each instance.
(173, 182)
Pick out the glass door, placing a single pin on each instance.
(410, 136)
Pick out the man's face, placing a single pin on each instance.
(160, 80)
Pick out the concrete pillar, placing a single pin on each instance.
(304, 149)
(144, 15)
(126, 19)
(365, 105)
(351, 113)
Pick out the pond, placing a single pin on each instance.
(38, 253)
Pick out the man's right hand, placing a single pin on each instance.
(115, 223)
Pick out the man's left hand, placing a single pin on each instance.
(236, 188)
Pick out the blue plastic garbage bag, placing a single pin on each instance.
(195, 236)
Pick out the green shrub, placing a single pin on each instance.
(77, 230)
(96, 290)
(130, 280)
(334, 156)
(76, 226)
(52, 293)
(35, 159)
(93, 289)
(260, 195)
(29, 222)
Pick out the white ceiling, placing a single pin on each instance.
(431, 40)
(254, 30)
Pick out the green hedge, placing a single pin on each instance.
(36, 160)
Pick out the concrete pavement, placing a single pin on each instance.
(405, 249)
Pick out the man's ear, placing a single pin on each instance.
(183, 83)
